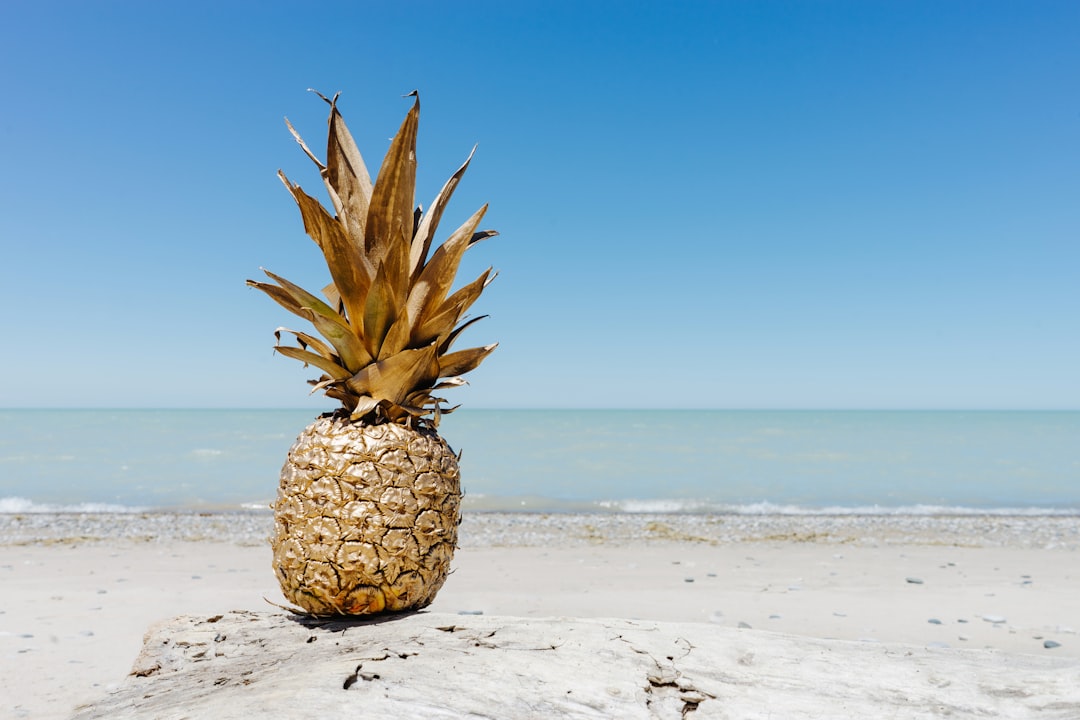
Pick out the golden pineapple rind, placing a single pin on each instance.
(366, 517)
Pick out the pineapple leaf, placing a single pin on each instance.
(442, 322)
(449, 383)
(396, 265)
(364, 405)
(397, 338)
(453, 336)
(466, 296)
(392, 196)
(330, 292)
(463, 361)
(395, 377)
(327, 321)
(429, 222)
(305, 341)
(310, 358)
(347, 264)
(281, 297)
(318, 163)
(380, 312)
(337, 391)
(350, 349)
(438, 275)
(482, 235)
(346, 175)
(399, 411)
(305, 148)
(303, 299)
(320, 384)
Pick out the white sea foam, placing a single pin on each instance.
(654, 506)
(14, 505)
(663, 506)
(488, 503)
(207, 452)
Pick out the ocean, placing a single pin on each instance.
(620, 461)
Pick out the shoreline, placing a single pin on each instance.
(526, 529)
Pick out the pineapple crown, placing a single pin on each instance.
(390, 320)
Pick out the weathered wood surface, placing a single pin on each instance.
(245, 665)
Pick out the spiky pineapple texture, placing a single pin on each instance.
(366, 517)
(390, 319)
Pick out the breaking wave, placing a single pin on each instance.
(14, 505)
(768, 508)
(533, 504)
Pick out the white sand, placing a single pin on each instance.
(73, 611)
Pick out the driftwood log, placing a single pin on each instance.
(244, 665)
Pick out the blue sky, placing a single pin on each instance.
(701, 204)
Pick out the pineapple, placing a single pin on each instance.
(368, 504)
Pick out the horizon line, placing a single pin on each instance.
(554, 409)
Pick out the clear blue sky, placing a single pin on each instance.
(748, 204)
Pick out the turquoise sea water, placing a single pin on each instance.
(572, 460)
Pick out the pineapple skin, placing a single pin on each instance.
(366, 517)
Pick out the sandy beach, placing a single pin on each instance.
(79, 591)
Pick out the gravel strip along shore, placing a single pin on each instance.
(486, 529)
